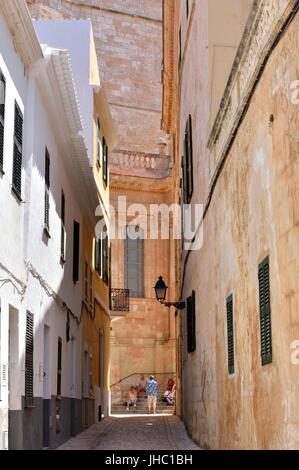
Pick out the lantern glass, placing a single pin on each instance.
(160, 289)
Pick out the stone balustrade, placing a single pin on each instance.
(140, 164)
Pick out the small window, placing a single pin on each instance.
(105, 161)
(230, 335)
(59, 367)
(191, 324)
(29, 360)
(105, 258)
(90, 287)
(187, 166)
(86, 281)
(2, 118)
(62, 235)
(99, 144)
(98, 256)
(17, 152)
(265, 312)
(47, 191)
(76, 251)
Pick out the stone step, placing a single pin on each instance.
(141, 410)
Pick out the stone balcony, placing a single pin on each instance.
(119, 302)
(266, 23)
(147, 165)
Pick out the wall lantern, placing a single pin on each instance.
(161, 289)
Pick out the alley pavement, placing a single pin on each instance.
(134, 433)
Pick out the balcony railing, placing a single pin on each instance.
(119, 300)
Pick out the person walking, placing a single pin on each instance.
(152, 393)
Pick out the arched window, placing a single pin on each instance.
(134, 263)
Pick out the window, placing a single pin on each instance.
(90, 375)
(98, 142)
(17, 152)
(62, 235)
(2, 117)
(187, 8)
(230, 335)
(59, 366)
(86, 281)
(191, 323)
(76, 251)
(90, 287)
(105, 161)
(29, 360)
(265, 312)
(47, 191)
(105, 258)
(180, 47)
(98, 256)
(187, 166)
(134, 260)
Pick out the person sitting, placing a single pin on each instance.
(169, 395)
(132, 398)
(170, 385)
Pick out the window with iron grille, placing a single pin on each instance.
(230, 334)
(62, 235)
(2, 118)
(59, 367)
(29, 360)
(99, 144)
(105, 161)
(47, 191)
(76, 251)
(187, 166)
(17, 152)
(105, 259)
(191, 323)
(98, 256)
(265, 312)
(134, 263)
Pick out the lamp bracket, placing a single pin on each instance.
(177, 305)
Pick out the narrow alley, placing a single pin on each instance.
(162, 432)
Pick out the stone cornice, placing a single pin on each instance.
(265, 24)
(140, 184)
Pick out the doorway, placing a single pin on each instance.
(46, 389)
(14, 396)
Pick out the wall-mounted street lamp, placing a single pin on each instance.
(161, 289)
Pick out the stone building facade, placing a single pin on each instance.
(128, 39)
(238, 84)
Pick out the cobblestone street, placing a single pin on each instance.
(134, 433)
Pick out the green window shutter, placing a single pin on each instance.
(62, 235)
(105, 259)
(190, 160)
(29, 360)
(134, 265)
(98, 256)
(230, 335)
(98, 142)
(76, 251)
(265, 312)
(105, 161)
(47, 190)
(191, 323)
(2, 117)
(17, 152)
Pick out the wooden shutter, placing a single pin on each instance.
(105, 161)
(189, 162)
(76, 251)
(62, 235)
(191, 324)
(47, 189)
(134, 266)
(29, 360)
(230, 335)
(105, 261)
(2, 117)
(187, 8)
(98, 256)
(98, 142)
(17, 152)
(265, 312)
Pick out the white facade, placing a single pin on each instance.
(32, 277)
